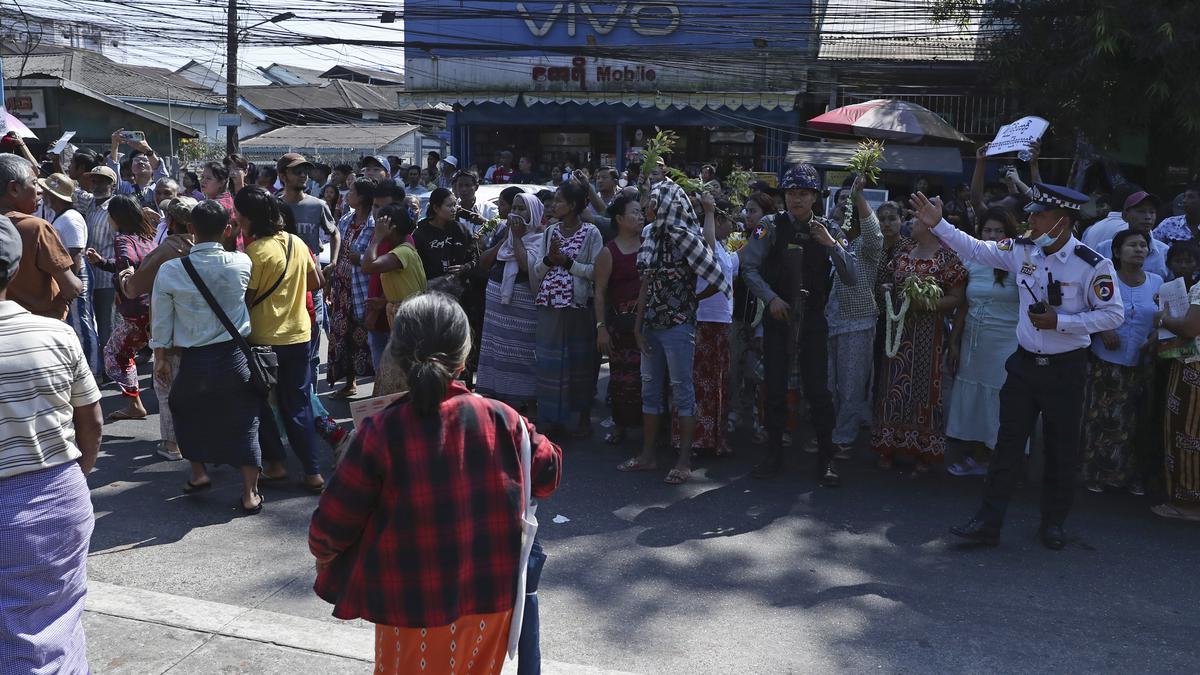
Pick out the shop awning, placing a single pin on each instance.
(445, 100)
(711, 100)
(897, 158)
(783, 100)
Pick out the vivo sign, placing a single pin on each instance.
(647, 20)
(483, 28)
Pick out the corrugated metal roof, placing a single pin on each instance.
(101, 74)
(384, 76)
(321, 136)
(333, 94)
(893, 30)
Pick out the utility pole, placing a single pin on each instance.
(231, 87)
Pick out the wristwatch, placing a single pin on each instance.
(599, 325)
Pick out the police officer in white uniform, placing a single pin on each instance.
(1068, 293)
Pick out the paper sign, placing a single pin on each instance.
(1018, 136)
(1173, 294)
(360, 410)
(61, 143)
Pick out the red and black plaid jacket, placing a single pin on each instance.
(423, 513)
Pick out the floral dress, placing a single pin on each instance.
(558, 287)
(349, 352)
(910, 417)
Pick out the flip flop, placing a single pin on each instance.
(1175, 513)
(314, 489)
(632, 464)
(192, 488)
(266, 478)
(677, 476)
(121, 416)
(614, 438)
(256, 509)
(342, 394)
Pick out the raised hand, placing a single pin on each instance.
(927, 212)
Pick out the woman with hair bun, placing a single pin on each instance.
(418, 530)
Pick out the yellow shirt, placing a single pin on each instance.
(399, 285)
(282, 318)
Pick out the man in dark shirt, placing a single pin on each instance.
(794, 238)
(312, 219)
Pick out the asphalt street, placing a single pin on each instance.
(725, 574)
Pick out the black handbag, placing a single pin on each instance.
(262, 361)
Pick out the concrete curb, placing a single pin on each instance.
(285, 630)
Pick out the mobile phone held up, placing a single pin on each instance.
(133, 136)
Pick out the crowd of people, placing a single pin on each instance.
(917, 324)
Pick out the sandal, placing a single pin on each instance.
(192, 488)
(677, 476)
(315, 489)
(344, 393)
(121, 416)
(254, 509)
(1175, 513)
(614, 437)
(268, 478)
(634, 464)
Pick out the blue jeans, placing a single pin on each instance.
(529, 647)
(314, 345)
(295, 409)
(671, 350)
(377, 340)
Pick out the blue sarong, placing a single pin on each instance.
(46, 525)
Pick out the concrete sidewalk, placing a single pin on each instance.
(140, 632)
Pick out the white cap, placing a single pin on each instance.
(451, 160)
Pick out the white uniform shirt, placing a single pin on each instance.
(1091, 299)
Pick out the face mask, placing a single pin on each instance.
(1047, 239)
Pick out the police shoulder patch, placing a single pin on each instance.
(1102, 286)
(1090, 257)
(761, 231)
(1005, 245)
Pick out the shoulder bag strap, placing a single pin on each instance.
(287, 260)
(216, 308)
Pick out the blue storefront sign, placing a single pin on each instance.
(490, 28)
(603, 73)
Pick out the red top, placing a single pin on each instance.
(423, 513)
(624, 284)
(375, 284)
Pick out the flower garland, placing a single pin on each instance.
(892, 336)
(925, 291)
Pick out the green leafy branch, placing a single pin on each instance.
(865, 161)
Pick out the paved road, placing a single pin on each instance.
(725, 574)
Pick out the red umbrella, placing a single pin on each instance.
(888, 119)
(9, 123)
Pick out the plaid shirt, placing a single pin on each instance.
(857, 300)
(675, 223)
(359, 283)
(423, 513)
